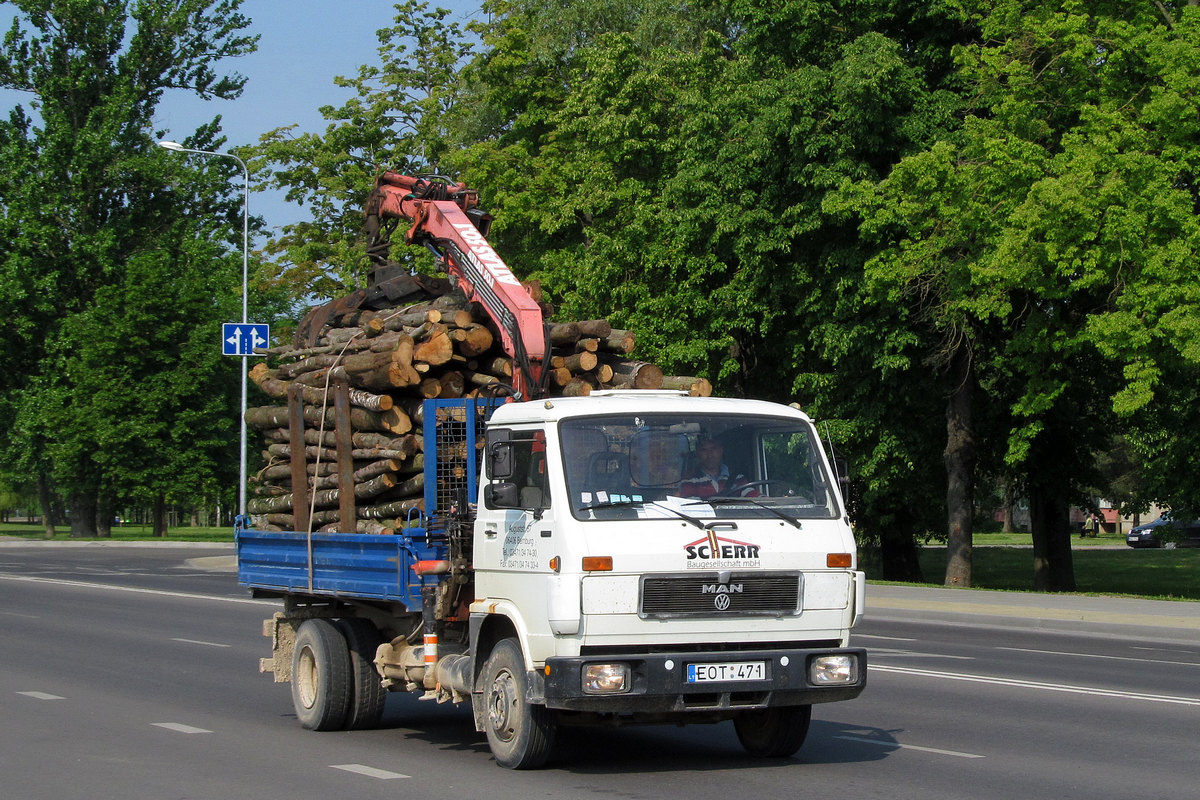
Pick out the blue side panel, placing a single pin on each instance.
(352, 565)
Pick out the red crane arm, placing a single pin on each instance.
(438, 210)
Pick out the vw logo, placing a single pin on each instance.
(721, 601)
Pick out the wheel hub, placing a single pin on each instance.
(502, 701)
(306, 678)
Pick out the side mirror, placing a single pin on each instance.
(500, 460)
(501, 495)
(841, 467)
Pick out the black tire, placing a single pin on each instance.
(521, 735)
(367, 696)
(773, 732)
(321, 678)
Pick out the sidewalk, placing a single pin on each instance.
(1160, 620)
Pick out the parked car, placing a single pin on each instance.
(1165, 532)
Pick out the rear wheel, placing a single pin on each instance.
(521, 735)
(367, 695)
(321, 680)
(773, 732)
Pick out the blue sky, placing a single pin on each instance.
(304, 44)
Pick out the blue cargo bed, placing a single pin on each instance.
(350, 565)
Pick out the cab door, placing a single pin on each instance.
(516, 530)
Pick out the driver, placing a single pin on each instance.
(712, 476)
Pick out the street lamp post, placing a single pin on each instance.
(178, 148)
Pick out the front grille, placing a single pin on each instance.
(715, 595)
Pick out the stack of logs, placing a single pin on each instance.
(374, 369)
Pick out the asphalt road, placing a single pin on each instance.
(131, 672)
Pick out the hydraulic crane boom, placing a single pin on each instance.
(444, 218)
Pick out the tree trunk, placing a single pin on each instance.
(158, 517)
(696, 387)
(960, 468)
(46, 500)
(472, 340)
(434, 347)
(273, 387)
(393, 420)
(1008, 508)
(1049, 515)
(104, 517)
(641, 374)
(618, 341)
(83, 514)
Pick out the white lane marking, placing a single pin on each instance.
(888, 651)
(370, 772)
(17, 614)
(179, 727)
(197, 641)
(41, 696)
(1101, 656)
(885, 638)
(1049, 687)
(1163, 650)
(134, 589)
(883, 743)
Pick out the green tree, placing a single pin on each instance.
(678, 190)
(1030, 236)
(85, 206)
(395, 121)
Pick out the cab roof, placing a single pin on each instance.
(647, 401)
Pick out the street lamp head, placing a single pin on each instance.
(176, 146)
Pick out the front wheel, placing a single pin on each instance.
(520, 735)
(773, 732)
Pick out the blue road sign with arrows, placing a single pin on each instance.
(240, 338)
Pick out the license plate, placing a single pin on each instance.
(733, 671)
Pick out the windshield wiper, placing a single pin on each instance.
(726, 501)
(655, 503)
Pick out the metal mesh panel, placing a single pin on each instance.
(456, 428)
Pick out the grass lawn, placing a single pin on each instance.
(1160, 574)
(128, 533)
(1026, 540)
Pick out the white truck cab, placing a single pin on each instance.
(640, 578)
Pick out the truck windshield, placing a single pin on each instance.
(663, 466)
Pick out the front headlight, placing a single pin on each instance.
(833, 670)
(605, 678)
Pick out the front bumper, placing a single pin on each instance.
(659, 684)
